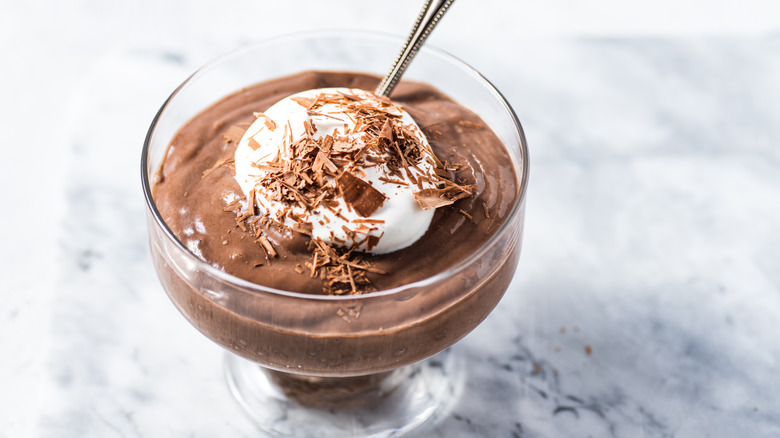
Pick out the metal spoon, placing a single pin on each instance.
(430, 15)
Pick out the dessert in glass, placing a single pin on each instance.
(336, 243)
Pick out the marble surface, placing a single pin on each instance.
(646, 303)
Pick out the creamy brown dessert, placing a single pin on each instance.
(193, 188)
(346, 337)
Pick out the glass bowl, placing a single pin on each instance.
(374, 364)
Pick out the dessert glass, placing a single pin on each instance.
(376, 364)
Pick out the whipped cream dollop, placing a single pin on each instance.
(343, 165)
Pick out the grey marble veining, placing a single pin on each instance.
(647, 299)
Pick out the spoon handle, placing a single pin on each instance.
(430, 15)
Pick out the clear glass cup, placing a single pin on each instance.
(376, 364)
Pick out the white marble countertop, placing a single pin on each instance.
(647, 301)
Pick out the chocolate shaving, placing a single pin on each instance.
(253, 144)
(316, 114)
(250, 206)
(345, 146)
(371, 242)
(468, 124)
(327, 144)
(270, 124)
(368, 221)
(400, 182)
(226, 162)
(468, 216)
(431, 198)
(351, 278)
(487, 212)
(322, 161)
(303, 228)
(306, 102)
(235, 133)
(363, 267)
(435, 198)
(387, 131)
(269, 248)
(360, 195)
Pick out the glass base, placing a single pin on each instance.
(389, 404)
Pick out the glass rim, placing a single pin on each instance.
(426, 49)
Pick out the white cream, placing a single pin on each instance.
(404, 222)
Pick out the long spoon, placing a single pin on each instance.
(430, 15)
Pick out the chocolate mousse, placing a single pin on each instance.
(198, 198)
(198, 176)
